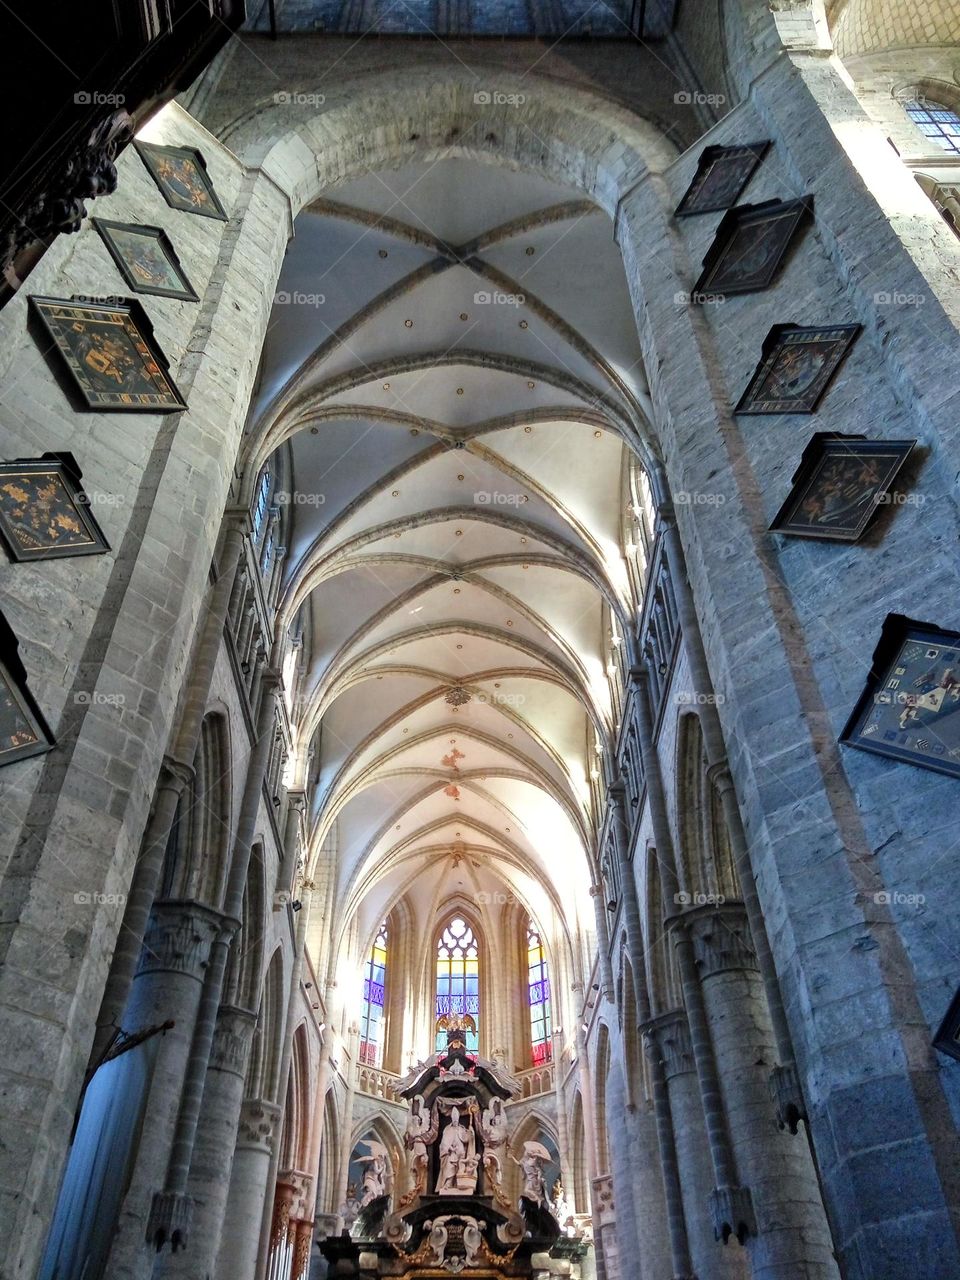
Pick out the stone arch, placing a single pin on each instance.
(663, 978)
(297, 1111)
(328, 1172)
(195, 865)
(633, 1062)
(578, 1156)
(245, 962)
(380, 1128)
(263, 1071)
(708, 870)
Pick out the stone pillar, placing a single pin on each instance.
(668, 1042)
(169, 983)
(257, 1132)
(605, 1229)
(216, 1141)
(792, 1241)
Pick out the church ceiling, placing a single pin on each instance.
(451, 360)
(516, 18)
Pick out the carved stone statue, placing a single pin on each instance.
(419, 1135)
(375, 1173)
(535, 1156)
(350, 1207)
(458, 1158)
(493, 1130)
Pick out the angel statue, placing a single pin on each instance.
(493, 1131)
(420, 1134)
(560, 1205)
(375, 1173)
(535, 1156)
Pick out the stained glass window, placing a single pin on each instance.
(937, 123)
(260, 502)
(371, 1024)
(458, 983)
(538, 989)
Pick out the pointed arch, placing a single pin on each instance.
(578, 1157)
(601, 1072)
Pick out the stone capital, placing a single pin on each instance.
(787, 1096)
(732, 1211)
(721, 939)
(179, 937)
(232, 1038)
(259, 1121)
(668, 1037)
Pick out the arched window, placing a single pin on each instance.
(458, 983)
(261, 502)
(538, 994)
(371, 1024)
(938, 124)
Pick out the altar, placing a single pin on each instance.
(455, 1219)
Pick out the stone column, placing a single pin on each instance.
(215, 1145)
(169, 983)
(792, 1241)
(257, 1132)
(668, 1042)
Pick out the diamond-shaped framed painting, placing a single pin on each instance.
(181, 174)
(108, 350)
(909, 709)
(841, 483)
(797, 364)
(750, 246)
(146, 259)
(722, 174)
(23, 730)
(44, 512)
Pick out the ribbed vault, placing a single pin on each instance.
(451, 372)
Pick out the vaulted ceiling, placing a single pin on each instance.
(451, 361)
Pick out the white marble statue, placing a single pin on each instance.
(493, 1130)
(458, 1158)
(375, 1173)
(559, 1205)
(535, 1156)
(418, 1135)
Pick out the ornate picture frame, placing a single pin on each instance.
(108, 351)
(750, 246)
(909, 709)
(23, 730)
(839, 486)
(181, 174)
(947, 1038)
(146, 259)
(797, 364)
(722, 174)
(44, 512)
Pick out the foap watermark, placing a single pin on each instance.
(894, 898)
(493, 898)
(493, 498)
(900, 499)
(94, 698)
(97, 499)
(502, 699)
(100, 899)
(497, 298)
(691, 698)
(496, 98)
(683, 299)
(684, 899)
(296, 298)
(94, 98)
(293, 98)
(897, 298)
(298, 498)
(695, 98)
(698, 498)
